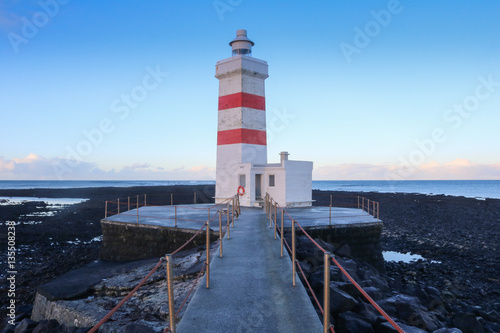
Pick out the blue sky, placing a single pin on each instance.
(366, 90)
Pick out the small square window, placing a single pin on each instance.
(271, 180)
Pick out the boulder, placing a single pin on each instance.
(353, 322)
(448, 330)
(410, 310)
(46, 326)
(468, 323)
(26, 326)
(340, 301)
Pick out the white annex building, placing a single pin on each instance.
(241, 137)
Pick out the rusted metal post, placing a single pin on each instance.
(171, 199)
(358, 201)
(145, 199)
(220, 233)
(294, 268)
(106, 210)
(282, 231)
(331, 199)
(326, 294)
(378, 207)
(137, 208)
(175, 215)
(128, 204)
(118, 206)
(194, 200)
(170, 290)
(368, 206)
(137, 204)
(363, 203)
(208, 254)
(373, 209)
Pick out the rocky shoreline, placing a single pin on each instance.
(460, 233)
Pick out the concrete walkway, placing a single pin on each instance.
(251, 286)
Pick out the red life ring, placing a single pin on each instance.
(241, 190)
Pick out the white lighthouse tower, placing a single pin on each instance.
(241, 135)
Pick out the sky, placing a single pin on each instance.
(367, 90)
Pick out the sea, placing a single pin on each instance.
(479, 189)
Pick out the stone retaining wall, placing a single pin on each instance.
(362, 238)
(128, 241)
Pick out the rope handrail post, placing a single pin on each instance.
(194, 200)
(145, 200)
(137, 209)
(128, 203)
(378, 206)
(294, 268)
(373, 209)
(363, 203)
(232, 216)
(220, 233)
(175, 215)
(265, 202)
(326, 293)
(106, 210)
(281, 230)
(228, 225)
(358, 201)
(171, 199)
(275, 221)
(330, 216)
(239, 207)
(331, 199)
(271, 215)
(209, 217)
(368, 206)
(208, 254)
(118, 205)
(170, 290)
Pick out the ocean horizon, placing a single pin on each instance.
(468, 188)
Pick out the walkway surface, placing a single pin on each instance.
(251, 286)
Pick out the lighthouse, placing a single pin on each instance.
(241, 136)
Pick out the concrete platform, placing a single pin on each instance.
(192, 216)
(251, 286)
(320, 216)
(188, 216)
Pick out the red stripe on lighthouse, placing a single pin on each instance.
(242, 99)
(241, 135)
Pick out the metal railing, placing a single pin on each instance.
(272, 206)
(231, 208)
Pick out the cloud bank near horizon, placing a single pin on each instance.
(35, 167)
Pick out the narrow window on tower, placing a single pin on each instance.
(243, 180)
(271, 180)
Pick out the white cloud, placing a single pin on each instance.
(35, 167)
(458, 169)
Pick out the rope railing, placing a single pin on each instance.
(270, 206)
(234, 203)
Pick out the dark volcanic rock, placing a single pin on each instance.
(353, 322)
